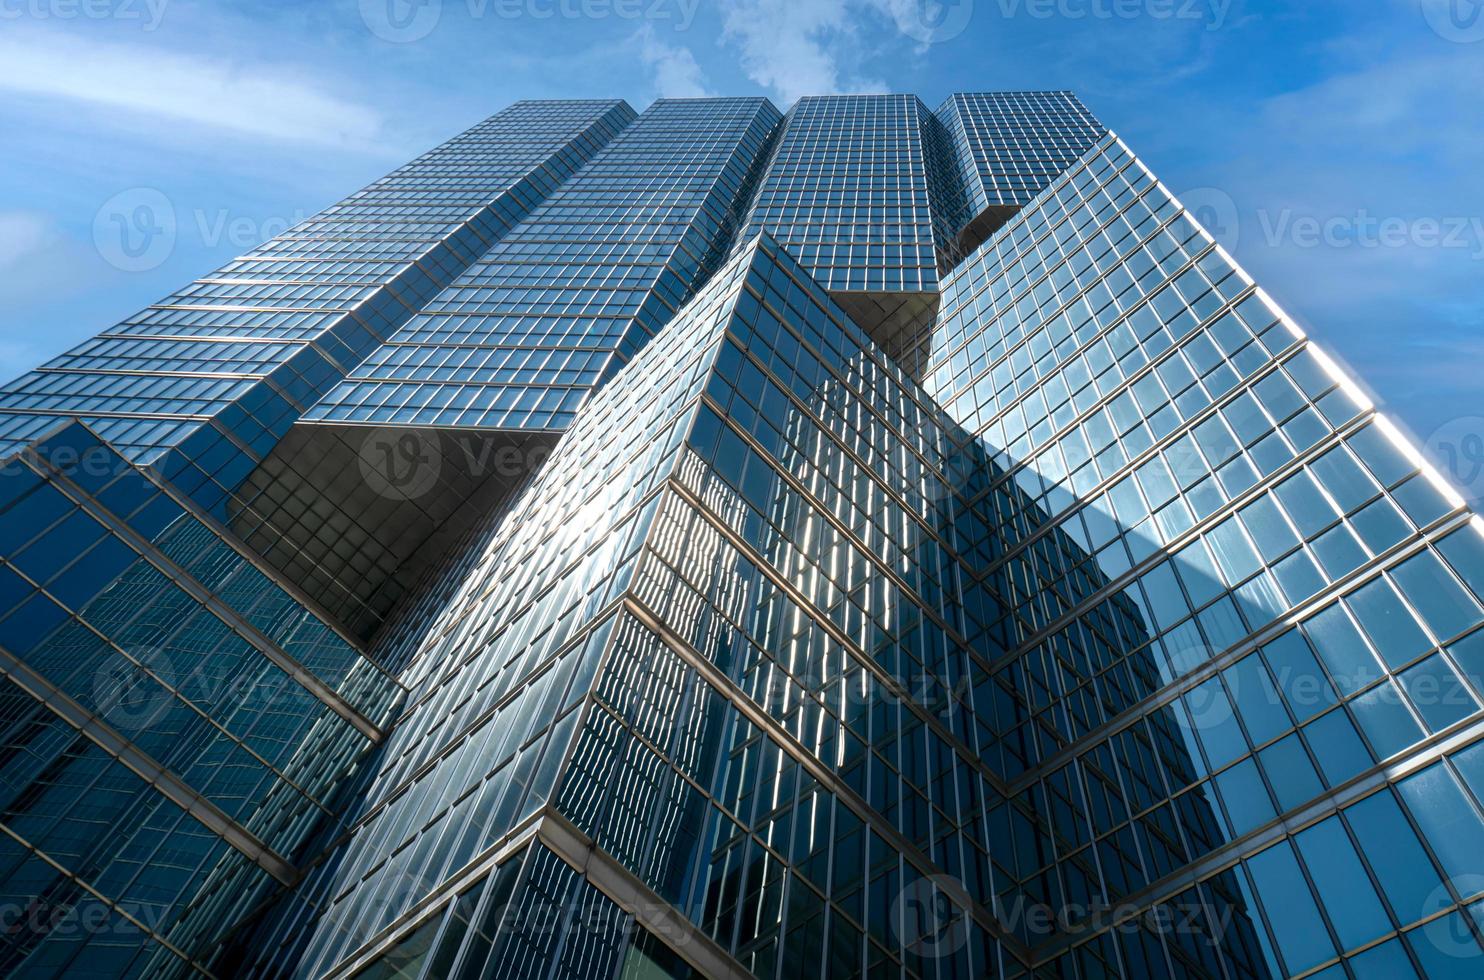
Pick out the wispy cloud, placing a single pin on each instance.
(792, 46)
(1396, 108)
(22, 233)
(677, 75)
(256, 100)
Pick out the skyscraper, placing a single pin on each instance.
(855, 541)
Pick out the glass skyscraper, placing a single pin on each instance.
(860, 541)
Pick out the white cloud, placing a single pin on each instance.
(22, 233)
(1395, 107)
(793, 46)
(261, 101)
(676, 73)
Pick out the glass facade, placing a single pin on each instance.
(942, 561)
(494, 366)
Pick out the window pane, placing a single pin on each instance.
(1392, 630)
(1384, 718)
(1436, 594)
(1338, 747)
(1448, 820)
(1292, 915)
(1437, 693)
(1342, 883)
(1339, 645)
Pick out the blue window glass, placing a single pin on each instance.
(1335, 639)
(1304, 685)
(1342, 883)
(1245, 796)
(1299, 576)
(1470, 763)
(1464, 550)
(1447, 948)
(1436, 594)
(1292, 915)
(1468, 653)
(1338, 747)
(1448, 820)
(1393, 631)
(1382, 715)
(1290, 772)
(1390, 846)
(1257, 700)
(1437, 693)
(1269, 530)
(1211, 715)
(1387, 961)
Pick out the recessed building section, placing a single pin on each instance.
(484, 379)
(850, 190)
(1006, 148)
(356, 515)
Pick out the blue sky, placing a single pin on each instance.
(1336, 146)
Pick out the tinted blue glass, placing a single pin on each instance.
(1292, 915)
(1350, 663)
(1437, 693)
(794, 623)
(1447, 818)
(1383, 962)
(1246, 799)
(1447, 948)
(1344, 888)
(1393, 631)
(1306, 689)
(1382, 715)
(1436, 594)
(1290, 772)
(1338, 747)
(1391, 848)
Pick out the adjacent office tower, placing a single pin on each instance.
(865, 541)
